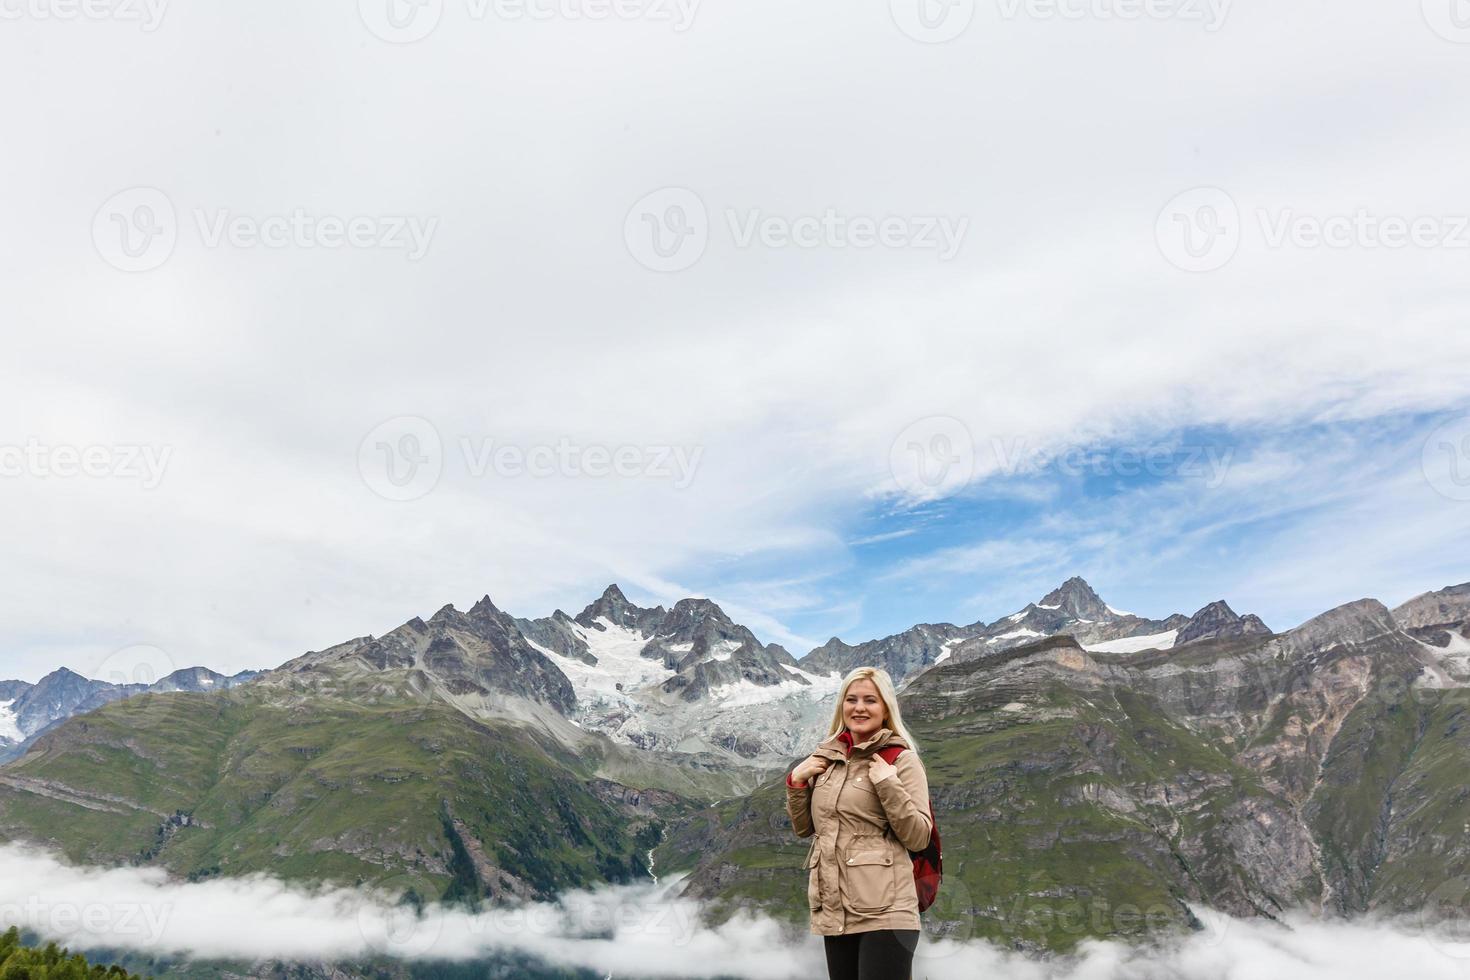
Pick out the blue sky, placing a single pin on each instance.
(1285, 523)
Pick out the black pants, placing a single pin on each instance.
(883, 954)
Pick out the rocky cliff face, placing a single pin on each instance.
(475, 655)
(707, 651)
(1446, 607)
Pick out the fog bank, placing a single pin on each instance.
(642, 930)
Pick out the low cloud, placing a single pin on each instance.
(641, 930)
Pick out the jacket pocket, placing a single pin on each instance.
(867, 881)
(814, 877)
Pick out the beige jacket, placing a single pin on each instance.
(861, 876)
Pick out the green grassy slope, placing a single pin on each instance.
(1425, 860)
(320, 790)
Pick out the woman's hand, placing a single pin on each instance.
(809, 768)
(880, 769)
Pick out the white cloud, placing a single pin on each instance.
(529, 322)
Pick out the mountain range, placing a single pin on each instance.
(1081, 759)
(28, 710)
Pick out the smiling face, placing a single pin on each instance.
(862, 710)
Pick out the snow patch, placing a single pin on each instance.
(1133, 644)
(1015, 616)
(1116, 612)
(1040, 605)
(1013, 706)
(617, 650)
(1015, 634)
(1448, 666)
(9, 727)
(1457, 645)
(744, 693)
(947, 649)
(723, 650)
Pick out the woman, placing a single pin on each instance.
(865, 815)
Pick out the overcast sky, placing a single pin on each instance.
(321, 316)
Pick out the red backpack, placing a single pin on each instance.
(928, 863)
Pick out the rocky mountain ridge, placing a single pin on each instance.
(656, 677)
(27, 710)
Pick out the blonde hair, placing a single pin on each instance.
(892, 719)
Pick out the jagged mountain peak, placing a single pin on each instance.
(694, 610)
(781, 653)
(484, 609)
(1218, 619)
(1076, 597)
(445, 613)
(615, 607)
